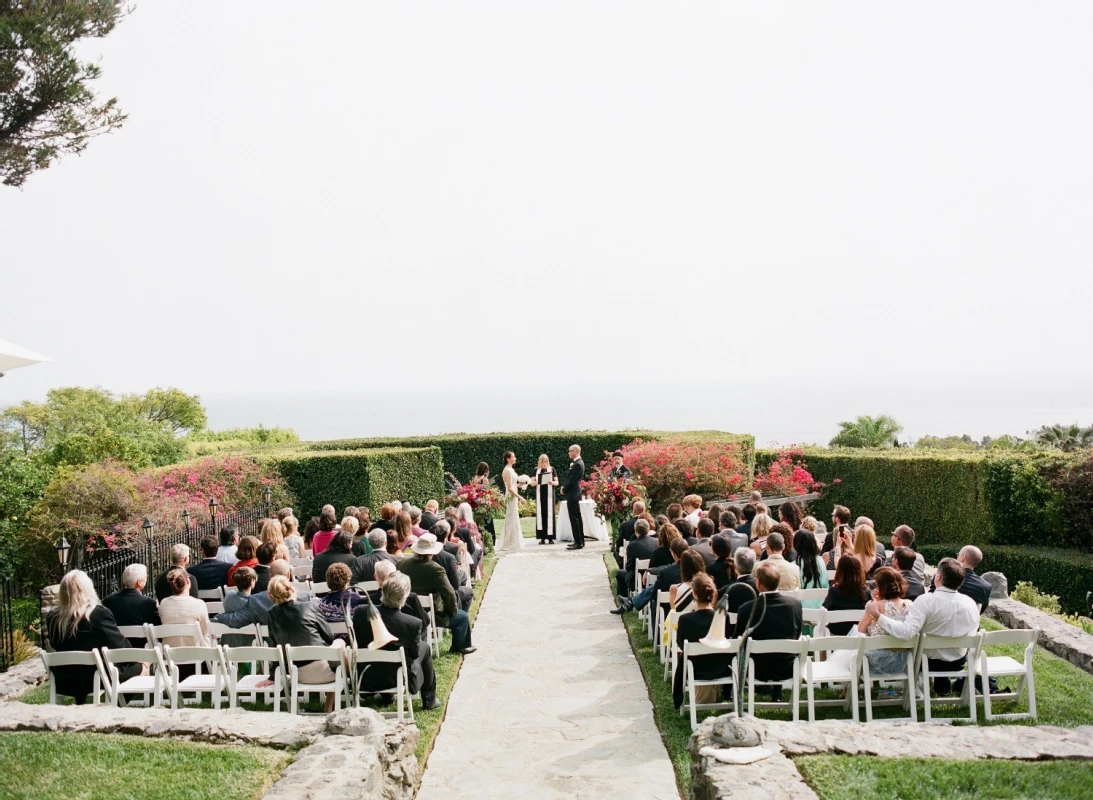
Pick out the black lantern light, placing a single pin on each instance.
(212, 508)
(62, 553)
(186, 518)
(148, 527)
(267, 495)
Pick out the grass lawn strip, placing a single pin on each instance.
(89, 766)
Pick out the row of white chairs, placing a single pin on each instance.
(812, 668)
(214, 596)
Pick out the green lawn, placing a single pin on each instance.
(87, 766)
(1064, 694)
(871, 778)
(447, 669)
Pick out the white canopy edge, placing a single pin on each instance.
(13, 356)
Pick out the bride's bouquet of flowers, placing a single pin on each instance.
(614, 498)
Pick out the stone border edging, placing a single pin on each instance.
(21, 677)
(1061, 638)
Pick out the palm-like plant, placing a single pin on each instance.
(1067, 438)
(867, 431)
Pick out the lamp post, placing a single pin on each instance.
(148, 529)
(212, 510)
(267, 496)
(186, 519)
(62, 553)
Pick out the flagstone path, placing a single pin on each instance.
(553, 704)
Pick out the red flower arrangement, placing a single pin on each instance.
(614, 498)
(485, 502)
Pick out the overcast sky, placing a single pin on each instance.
(528, 192)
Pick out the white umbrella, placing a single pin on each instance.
(12, 356)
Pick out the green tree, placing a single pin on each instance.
(173, 407)
(22, 481)
(867, 431)
(47, 108)
(964, 442)
(1067, 438)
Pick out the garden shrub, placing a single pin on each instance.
(672, 467)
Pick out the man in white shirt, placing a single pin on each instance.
(789, 576)
(945, 612)
(229, 540)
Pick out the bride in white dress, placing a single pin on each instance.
(512, 538)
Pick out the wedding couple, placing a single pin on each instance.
(545, 479)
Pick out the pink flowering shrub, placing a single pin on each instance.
(672, 468)
(787, 475)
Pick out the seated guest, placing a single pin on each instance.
(904, 560)
(703, 532)
(180, 558)
(429, 516)
(973, 586)
(339, 551)
(662, 556)
(229, 539)
(742, 589)
(692, 509)
(387, 516)
(244, 583)
(79, 623)
(360, 538)
(840, 521)
(248, 546)
(256, 609)
(790, 576)
(686, 530)
(293, 540)
(340, 602)
(468, 531)
(865, 548)
(693, 626)
(847, 592)
(270, 530)
(813, 571)
(129, 606)
(722, 571)
(749, 519)
(283, 513)
(298, 623)
(404, 533)
(788, 553)
(760, 530)
(457, 578)
(904, 536)
(641, 546)
(761, 508)
(626, 528)
(944, 612)
(667, 577)
(756, 497)
(728, 528)
(265, 555)
(412, 606)
(735, 518)
(412, 638)
(714, 516)
(415, 521)
(428, 577)
(674, 512)
(363, 567)
(328, 524)
(789, 514)
(888, 597)
(181, 609)
(679, 595)
(311, 527)
(210, 572)
(777, 616)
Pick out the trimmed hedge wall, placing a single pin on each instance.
(1066, 573)
(463, 451)
(358, 477)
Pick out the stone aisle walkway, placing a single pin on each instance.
(553, 704)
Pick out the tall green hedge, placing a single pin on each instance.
(358, 477)
(463, 451)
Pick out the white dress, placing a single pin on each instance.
(512, 538)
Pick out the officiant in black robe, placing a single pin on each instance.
(545, 479)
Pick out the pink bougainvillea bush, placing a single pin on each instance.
(671, 468)
(787, 475)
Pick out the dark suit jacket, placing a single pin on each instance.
(668, 577)
(626, 532)
(571, 489)
(323, 561)
(428, 577)
(781, 619)
(915, 587)
(130, 607)
(210, 573)
(738, 593)
(364, 567)
(745, 528)
(640, 547)
(661, 557)
(451, 568)
(692, 627)
(163, 590)
(262, 582)
(411, 639)
(976, 588)
(428, 520)
(299, 624)
(412, 606)
(98, 630)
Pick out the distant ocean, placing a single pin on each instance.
(806, 410)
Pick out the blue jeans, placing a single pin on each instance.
(460, 626)
(644, 597)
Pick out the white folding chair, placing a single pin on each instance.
(794, 647)
(368, 586)
(659, 602)
(213, 682)
(690, 684)
(433, 634)
(309, 654)
(832, 670)
(226, 590)
(301, 573)
(210, 594)
(641, 566)
(77, 658)
(234, 656)
(190, 630)
(853, 615)
(807, 594)
(906, 676)
(151, 685)
(363, 657)
(135, 632)
(988, 667)
(967, 672)
(302, 562)
(814, 617)
(319, 587)
(214, 607)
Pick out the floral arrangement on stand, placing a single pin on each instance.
(486, 502)
(614, 498)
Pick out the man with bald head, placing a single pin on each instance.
(974, 587)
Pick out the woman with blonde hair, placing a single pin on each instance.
(80, 623)
(692, 509)
(865, 548)
(760, 530)
(270, 530)
(293, 540)
(545, 480)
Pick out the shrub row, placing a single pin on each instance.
(1066, 573)
(358, 477)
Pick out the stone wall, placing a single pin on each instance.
(23, 676)
(1061, 638)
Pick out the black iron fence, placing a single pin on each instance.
(19, 621)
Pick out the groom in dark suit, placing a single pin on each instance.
(572, 491)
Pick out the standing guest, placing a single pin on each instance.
(364, 567)
(728, 527)
(310, 529)
(481, 476)
(180, 558)
(229, 540)
(704, 531)
(265, 555)
(722, 571)
(546, 479)
(789, 577)
(293, 540)
(742, 589)
(340, 551)
(428, 577)
(572, 492)
(692, 627)
(749, 519)
(340, 602)
(79, 623)
(270, 530)
(328, 523)
(777, 616)
(904, 560)
(210, 572)
(248, 547)
(847, 592)
(641, 546)
(888, 597)
(662, 556)
(404, 532)
(129, 606)
(760, 529)
(181, 609)
(619, 472)
(429, 517)
(692, 509)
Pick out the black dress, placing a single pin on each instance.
(98, 630)
(545, 528)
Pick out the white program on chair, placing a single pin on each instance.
(794, 647)
(296, 687)
(692, 649)
(971, 643)
(988, 667)
(214, 682)
(834, 669)
(268, 656)
(151, 684)
(363, 657)
(906, 676)
(77, 658)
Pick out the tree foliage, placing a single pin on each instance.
(868, 431)
(1067, 438)
(47, 107)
